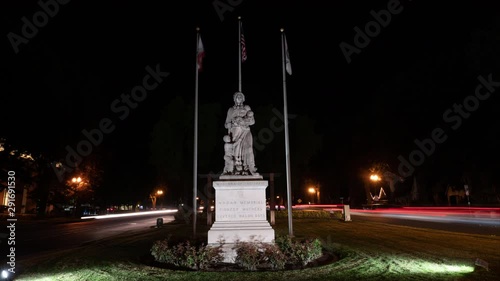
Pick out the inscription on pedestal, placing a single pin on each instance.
(228, 210)
(240, 215)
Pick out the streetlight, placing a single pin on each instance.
(375, 177)
(154, 196)
(76, 180)
(312, 191)
(76, 186)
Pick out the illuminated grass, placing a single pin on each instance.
(354, 268)
(429, 267)
(367, 251)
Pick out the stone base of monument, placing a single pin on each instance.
(240, 214)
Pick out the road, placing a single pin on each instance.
(35, 237)
(474, 220)
(484, 221)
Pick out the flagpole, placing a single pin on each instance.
(239, 54)
(195, 158)
(287, 149)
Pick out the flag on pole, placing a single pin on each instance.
(200, 54)
(288, 65)
(243, 45)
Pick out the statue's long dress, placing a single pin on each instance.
(242, 140)
(243, 150)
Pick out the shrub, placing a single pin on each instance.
(307, 251)
(186, 255)
(162, 253)
(301, 252)
(250, 255)
(208, 256)
(285, 244)
(274, 256)
(308, 214)
(256, 254)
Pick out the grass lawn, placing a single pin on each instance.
(366, 251)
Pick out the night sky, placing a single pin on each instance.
(396, 88)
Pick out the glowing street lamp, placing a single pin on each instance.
(375, 178)
(76, 185)
(154, 196)
(314, 191)
(76, 180)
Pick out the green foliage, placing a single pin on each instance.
(162, 253)
(186, 255)
(208, 256)
(308, 251)
(307, 214)
(285, 251)
(301, 252)
(249, 254)
(337, 214)
(274, 256)
(253, 255)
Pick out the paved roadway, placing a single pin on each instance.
(35, 237)
(485, 221)
(472, 225)
(474, 220)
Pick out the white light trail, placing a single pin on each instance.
(129, 214)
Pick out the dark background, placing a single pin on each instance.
(394, 91)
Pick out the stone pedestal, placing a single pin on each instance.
(240, 213)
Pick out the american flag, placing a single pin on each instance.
(243, 46)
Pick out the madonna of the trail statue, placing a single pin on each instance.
(240, 192)
(238, 148)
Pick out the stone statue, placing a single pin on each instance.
(240, 159)
(228, 155)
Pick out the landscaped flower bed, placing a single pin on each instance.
(284, 253)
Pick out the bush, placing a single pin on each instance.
(274, 256)
(186, 255)
(307, 251)
(299, 252)
(250, 255)
(285, 251)
(309, 214)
